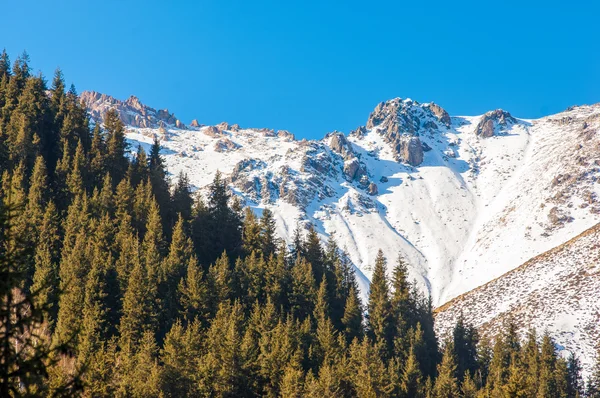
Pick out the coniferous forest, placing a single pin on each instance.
(115, 282)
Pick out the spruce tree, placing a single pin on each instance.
(268, 238)
(446, 384)
(116, 146)
(47, 256)
(379, 309)
(182, 202)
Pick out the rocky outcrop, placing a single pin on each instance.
(131, 111)
(491, 120)
(400, 122)
(340, 144)
(225, 145)
(194, 123)
(410, 150)
(353, 170)
(440, 113)
(286, 135)
(372, 189)
(213, 132)
(359, 132)
(224, 126)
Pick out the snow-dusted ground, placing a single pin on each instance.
(557, 291)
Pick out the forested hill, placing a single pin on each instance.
(115, 283)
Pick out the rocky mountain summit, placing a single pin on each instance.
(132, 112)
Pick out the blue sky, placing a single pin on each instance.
(315, 66)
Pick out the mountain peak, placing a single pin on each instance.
(132, 111)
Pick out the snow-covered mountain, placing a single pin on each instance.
(557, 291)
(465, 199)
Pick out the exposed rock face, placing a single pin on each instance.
(353, 169)
(372, 189)
(359, 132)
(487, 125)
(212, 131)
(131, 112)
(401, 121)
(340, 144)
(227, 127)
(225, 145)
(194, 123)
(286, 134)
(410, 151)
(440, 113)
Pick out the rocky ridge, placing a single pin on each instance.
(132, 112)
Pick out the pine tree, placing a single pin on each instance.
(313, 252)
(403, 311)
(47, 255)
(173, 269)
(116, 146)
(411, 381)
(468, 387)
(379, 308)
(220, 282)
(292, 383)
(268, 239)
(4, 64)
(465, 341)
(95, 321)
(182, 347)
(303, 290)
(160, 183)
(194, 294)
(327, 350)
(220, 370)
(446, 384)
(575, 385)
(24, 347)
(369, 378)
(141, 375)
(251, 233)
(182, 201)
(134, 321)
(139, 168)
(353, 317)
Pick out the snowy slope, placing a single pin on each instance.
(464, 199)
(558, 291)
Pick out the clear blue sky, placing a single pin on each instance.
(315, 66)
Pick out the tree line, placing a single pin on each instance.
(116, 282)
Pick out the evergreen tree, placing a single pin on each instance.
(446, 384)
(379, 308)
(353, 317)
(160, 183)
(47, 255)
(182, 201)
(465, 342)
(24, 348)
(116, 146)
(268, 238)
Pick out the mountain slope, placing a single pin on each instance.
(558, 291)
(464, 199)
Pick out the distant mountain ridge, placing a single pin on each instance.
(465, 199)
